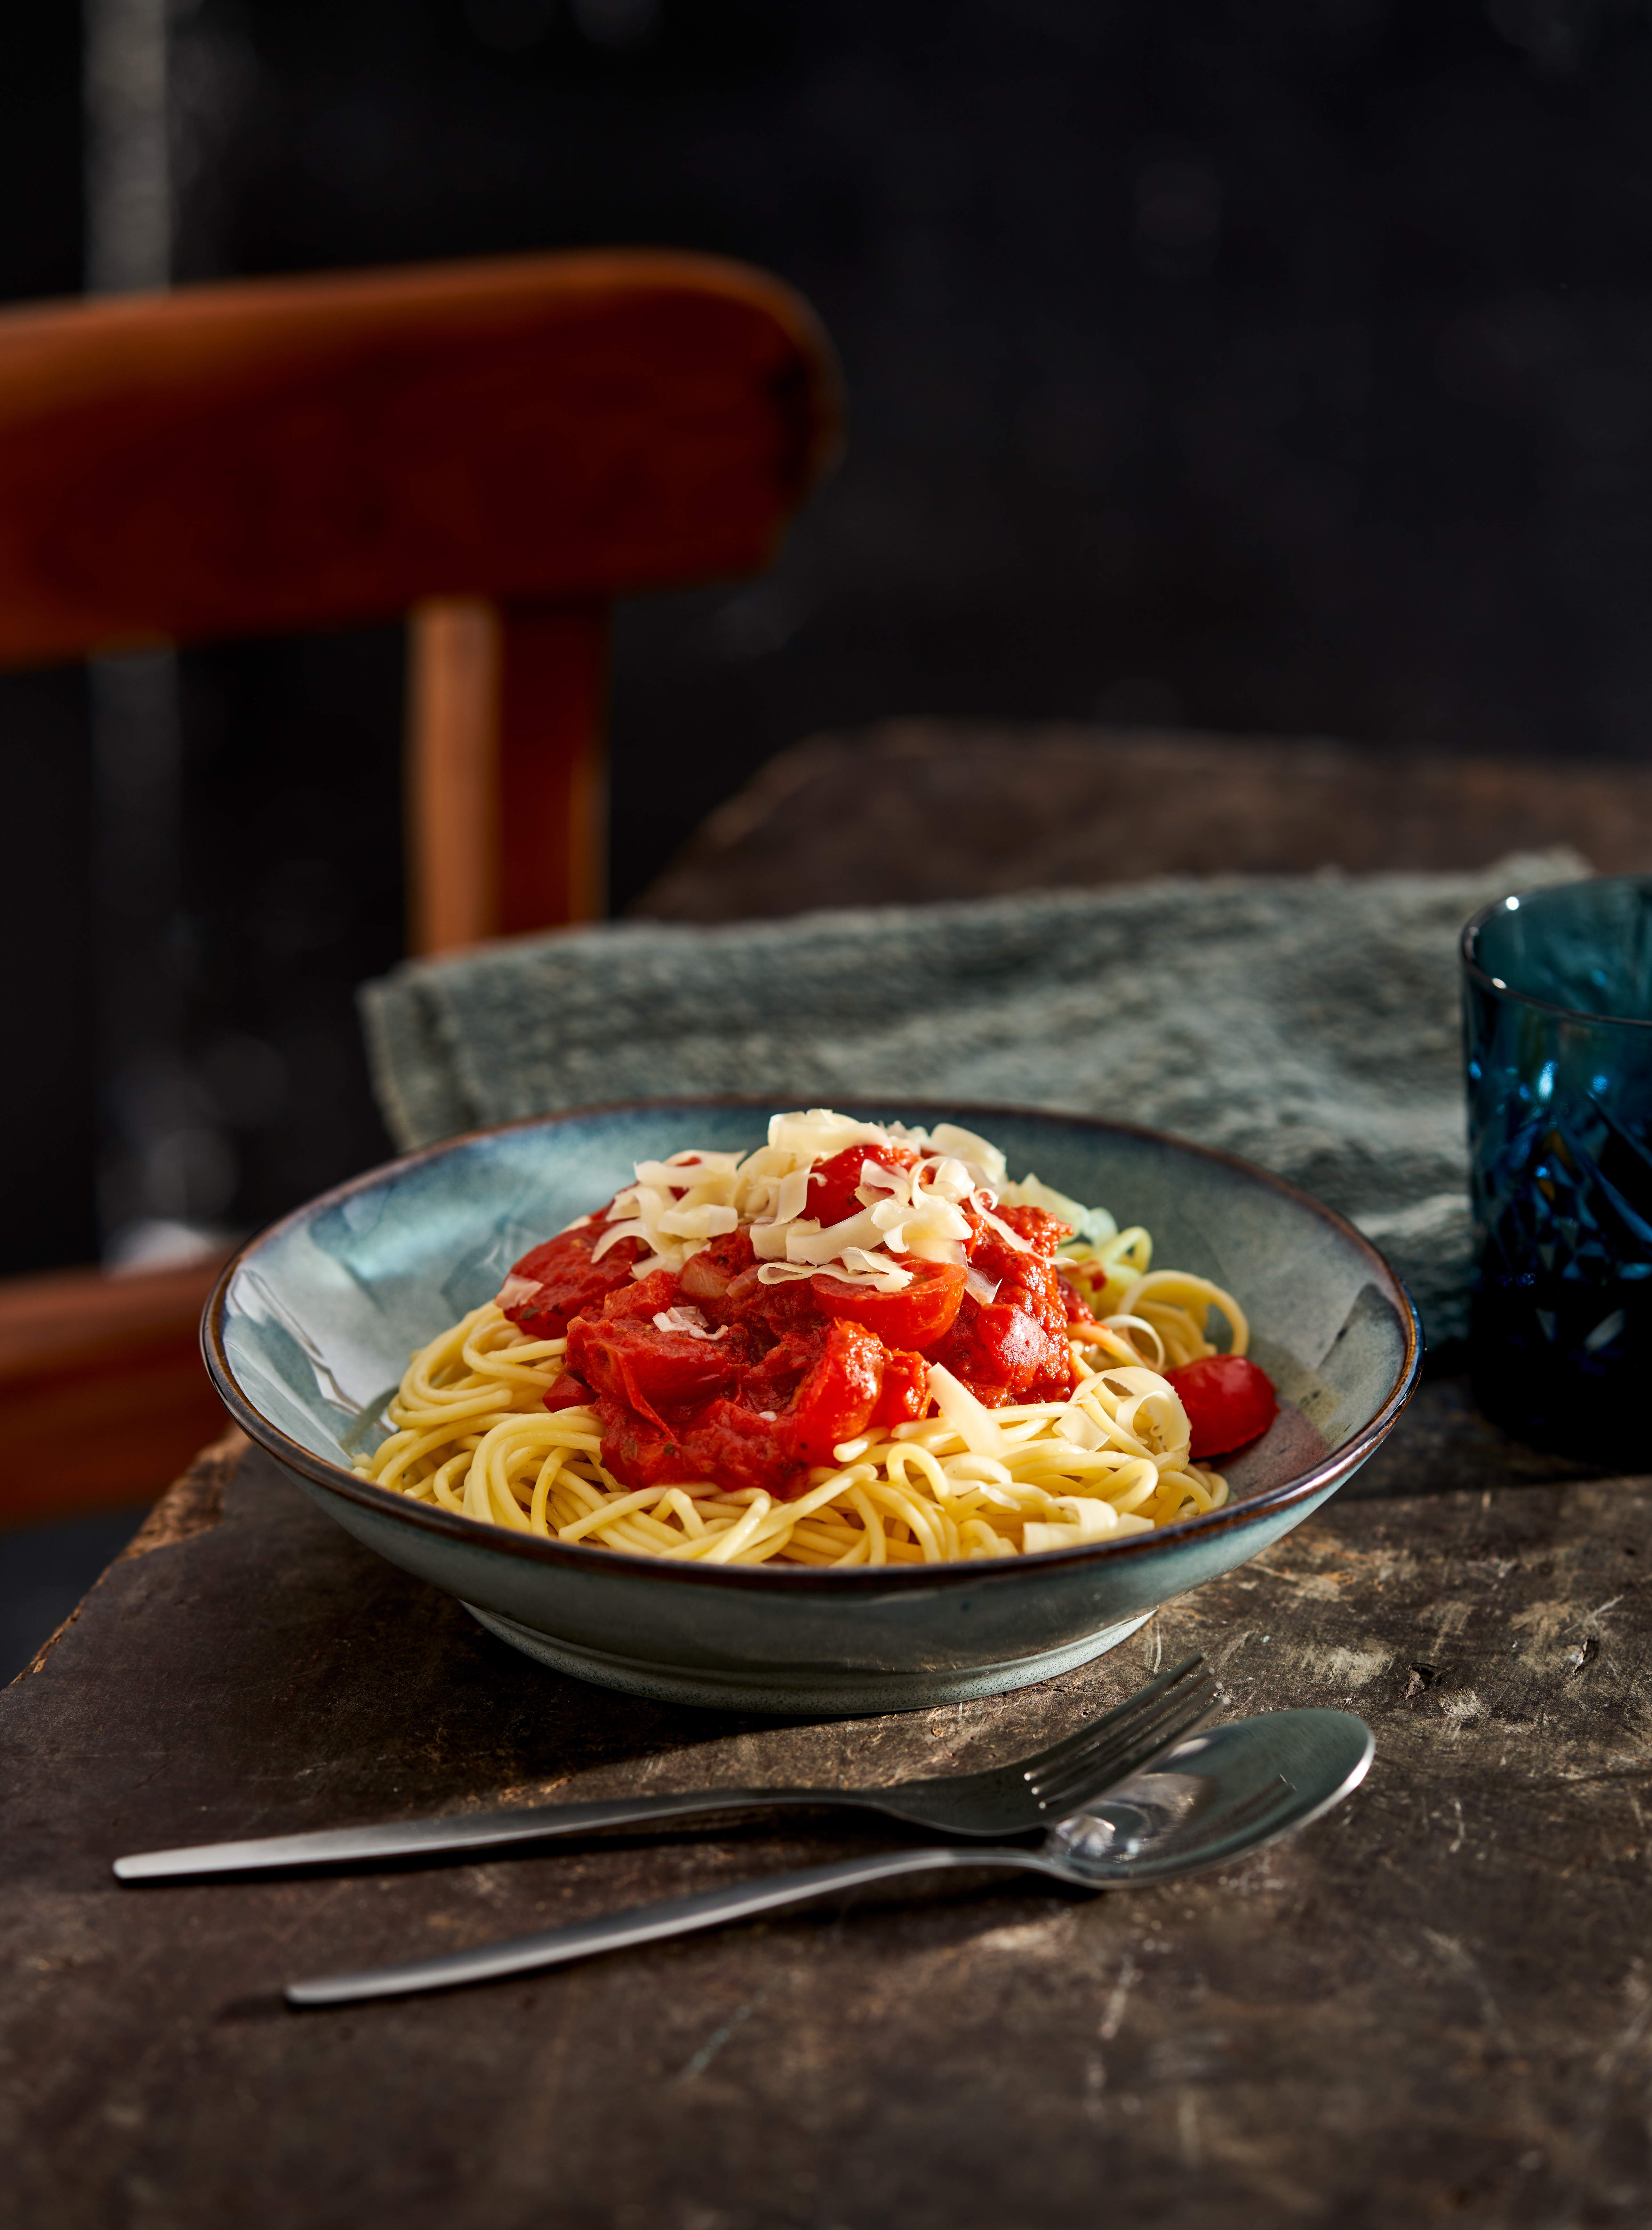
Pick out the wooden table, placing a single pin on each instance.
(1434, 2005)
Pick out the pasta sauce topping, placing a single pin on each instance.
(857, 1343)
(734, 1319)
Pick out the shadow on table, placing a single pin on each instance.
(1442, 1445)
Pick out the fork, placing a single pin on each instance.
(1005, 1800)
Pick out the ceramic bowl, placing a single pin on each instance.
(310, 1328)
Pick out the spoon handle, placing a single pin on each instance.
(642, 1924)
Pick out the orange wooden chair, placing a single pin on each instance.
(499, 449)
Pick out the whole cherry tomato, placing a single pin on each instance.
(834, 1188)
(1228, 1401)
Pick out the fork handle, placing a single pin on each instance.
(463, 1831)
(644, 1923)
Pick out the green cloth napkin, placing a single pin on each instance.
(1307, 1022)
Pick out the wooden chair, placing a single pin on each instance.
(498, 449)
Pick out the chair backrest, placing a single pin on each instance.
(499, 449)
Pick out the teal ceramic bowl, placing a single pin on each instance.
(310, 1328)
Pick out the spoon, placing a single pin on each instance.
(1216, 1797)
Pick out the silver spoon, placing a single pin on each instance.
(1216, 1797)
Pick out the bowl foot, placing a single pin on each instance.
(804, 1691)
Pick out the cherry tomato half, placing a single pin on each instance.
(916, 1317)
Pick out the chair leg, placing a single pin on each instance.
(451, 786)
(507, 791)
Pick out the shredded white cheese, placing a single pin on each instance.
(973, 1422)
(684, 1318)
(676, 1207)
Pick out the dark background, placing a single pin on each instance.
(1260, 367)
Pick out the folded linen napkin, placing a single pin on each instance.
(1307, 1022)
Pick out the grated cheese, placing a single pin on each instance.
(674, 1208)
(685, 1317)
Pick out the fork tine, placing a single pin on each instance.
(1121, 1717)
(1116, 1741)
(1083, 1762)
(1131, 1759)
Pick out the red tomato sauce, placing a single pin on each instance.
(764, 1380)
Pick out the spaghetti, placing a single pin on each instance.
(487, 1423)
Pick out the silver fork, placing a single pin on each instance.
(1005, 1800)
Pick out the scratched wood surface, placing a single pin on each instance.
(1434, 2005)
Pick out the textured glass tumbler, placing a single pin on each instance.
(1558, 1019)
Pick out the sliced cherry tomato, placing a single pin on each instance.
(1011, 1342)
(735, 1446)
(640, 1451)
(833, 1186)
(837, 1398)
(906, 1391)
(641, 1298)
(653, 1370)
(554, 1283)
(1014, 1347)
(917, 1316)
(1228, 1401)
(771, 1380)
(567, 1393)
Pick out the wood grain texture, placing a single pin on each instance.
(279, 454)
(103, 1394)
(1434, 2005)
(917, 810)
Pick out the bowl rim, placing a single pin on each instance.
(575, 1556)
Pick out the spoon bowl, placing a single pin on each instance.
(1215, 1798)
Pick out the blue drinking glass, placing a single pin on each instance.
(1557, 1021)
